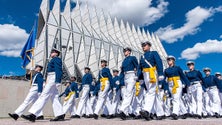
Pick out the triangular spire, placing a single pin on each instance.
(76, 17)
(66, 22)
(56, 11)
(95, 24)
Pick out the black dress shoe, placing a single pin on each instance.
(84, 115)
(30, 117)
(183, 116)
(103, 115)
(95, 116)
(216, 115)
(137, 117)
(40, 117)
(174, 117)
(14, 116)
(58, 118)
(75, 116)
(199, 117)
(122, 115)
(132, 115)
(160, 117)
(145, 115)
(90, 115)
(110, 116)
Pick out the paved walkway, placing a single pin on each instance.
(116, 121)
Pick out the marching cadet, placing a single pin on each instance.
(104, 81)
(86, 83)
(176, 79)
(138, 98)
(218, 75)
(53, 82)
(210, 83)
(151, 68)
(34, 93)
(90, 104)
(196, 79)
(70, 93)
(113, 96)
(128, 77)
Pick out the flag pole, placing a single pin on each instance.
(32, 65)
(32, 59)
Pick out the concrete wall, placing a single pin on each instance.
(13, 93)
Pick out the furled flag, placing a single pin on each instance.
(27, 51)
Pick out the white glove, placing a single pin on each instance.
(160, 78)
(91, 93)
(117, 83)
(207, 89)
(183, 85)
(135, 78)
(58, 85)
(39, 94)
(44, 83)
(32, 68)
(114, 91)
(141, 82)
(93, 83)
(189, 89)
(160, 86)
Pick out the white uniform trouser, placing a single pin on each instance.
(192, 107)
(101, 98)
(30, 98)
(112, 102)
(122, 94)
(151, 98)
(167, 106)
(220, 95)
(49, 90)
(206, 104)
(176, 98)
(138, 102)
(69, 105)
(90, 105)
(214, 98)
(129, 81)
(197, 103)
(158, 105)
(183, 108)
(83, 99)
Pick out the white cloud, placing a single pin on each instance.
(12, 39)
(210, 46)
(194, 18)
(139, 12)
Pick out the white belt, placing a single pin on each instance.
(127, 72)
(51, 73)
(195, 82)
(86, 85)
(213, 87)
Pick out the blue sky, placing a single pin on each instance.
(189, 30)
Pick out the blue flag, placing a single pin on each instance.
(26, 53)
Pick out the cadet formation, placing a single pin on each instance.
(142, 89)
